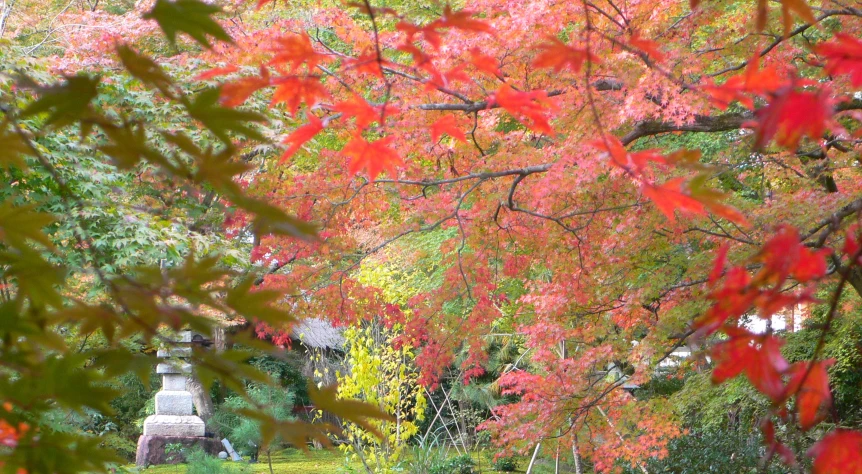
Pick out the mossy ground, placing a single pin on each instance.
(294, 461)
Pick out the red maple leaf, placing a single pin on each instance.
(718, 266)
(754, 80)
(236, 92)
(851, 241)
(791, 115)
(775, 446)
(759, 357)
(440, 79)
(447, 124)
(844, 56)
(215, 72)
(485, 63)
(731, 300)
(784, 255)
(669, 197)
(293, 90)
(367, 62)
(358, 108)
(809, 381)
(300, 136)
(839, 452)
(429, 33)
(294, 50)
(374, 157)
(647, 46)
(558, 55)
(633, 163)
(525, 105)
(419, 56)
(462, 20)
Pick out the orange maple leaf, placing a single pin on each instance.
(300, 136)
(374, 157)
(367, 62)
(669, 197)
(236, 92)
(839, 452)
(447, 124)
(462, 20)
(295, 50)
(558, 55)
(753, 81)
(844, 56)
(809, 381)
(631, 162)
(427, 32)
(647, 46)
(787, 6)
(358, 108)
(525, 105)
(485, 63)
(294, 90)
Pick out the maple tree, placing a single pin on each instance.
(520, 191)
(558, 147)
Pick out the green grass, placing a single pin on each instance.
(289, 461)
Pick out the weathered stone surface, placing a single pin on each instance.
(173, 425)
(151, 449)
(174, 402)
(173, 368)
(175, 351)
(222, 455)
(174, 382)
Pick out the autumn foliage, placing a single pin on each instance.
(459, 75)
(555, 152)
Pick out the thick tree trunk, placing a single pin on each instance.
(855, 280)
(201, 397)
(203, 402)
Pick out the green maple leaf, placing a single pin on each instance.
(65, 102)
(145, 69)
(222, 120)
(188, 16)
(12, 148)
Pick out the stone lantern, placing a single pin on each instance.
(174, 421)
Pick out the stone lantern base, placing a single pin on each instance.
(151, 449)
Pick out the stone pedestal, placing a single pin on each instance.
(174, 421)
(151, 449)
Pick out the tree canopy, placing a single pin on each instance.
(601, 181)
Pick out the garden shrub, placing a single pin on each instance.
(506, 464)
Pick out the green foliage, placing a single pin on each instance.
(245, 433)
(106, 233)
(721, 451)
(200, 462)
(462, 464)
(187, 16)
(426, 458)
(731, 405)
(506, 464)
(845, 375)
